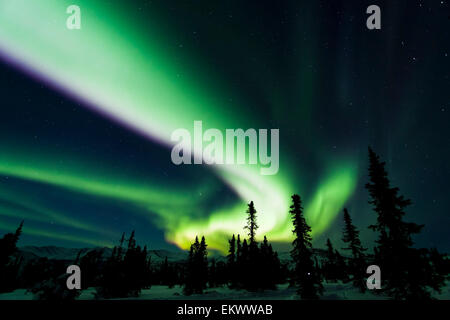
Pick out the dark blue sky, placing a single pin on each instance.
(387, 88)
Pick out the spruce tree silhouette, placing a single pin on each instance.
(252, 226)
(318, 268)
(90, 264)
(238, 272)
(231, 258)
(244, 251)
(341, 268)
(231, 262)
(163, 276)
(203, 263)
(126, 272)
(440, 268)
(168, 274)
(257, 268)
(269, 271)
(407, 272)
(190, 270)
(238, 248)
(252, 259)
(329, 268)
(163, 273)
(305, 277)
(9, 267)
(357, 264)
(243, 269)
(196, 277)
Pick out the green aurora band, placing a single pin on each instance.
(130, 75)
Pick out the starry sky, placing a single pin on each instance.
(86, 116)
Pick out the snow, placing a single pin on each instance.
(332, 291)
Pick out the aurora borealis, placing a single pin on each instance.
(87, 116)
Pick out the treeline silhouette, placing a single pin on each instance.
(407, 272)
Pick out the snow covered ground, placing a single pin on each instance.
(332, 291)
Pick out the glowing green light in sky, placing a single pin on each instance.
(123, 72)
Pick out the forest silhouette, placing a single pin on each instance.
(407, 272)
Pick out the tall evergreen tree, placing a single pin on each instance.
(330, 265)
(18, 232)
(238, 248)
(331, 255)
(126, 272)
(334, 267)
(232, 261)
(9, 266)
(197, 268)
(244, 252)
(243, 269)
(165, 275)
(190, 278)
(90, 264)
(203, 262)
(403, 267)
(119, 250)
(231, 258)
(265, 247)
(252, 226)
(306, 277)
(357, 264)
(341, 267)
(269, 272)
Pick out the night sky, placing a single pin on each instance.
(86, 116)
